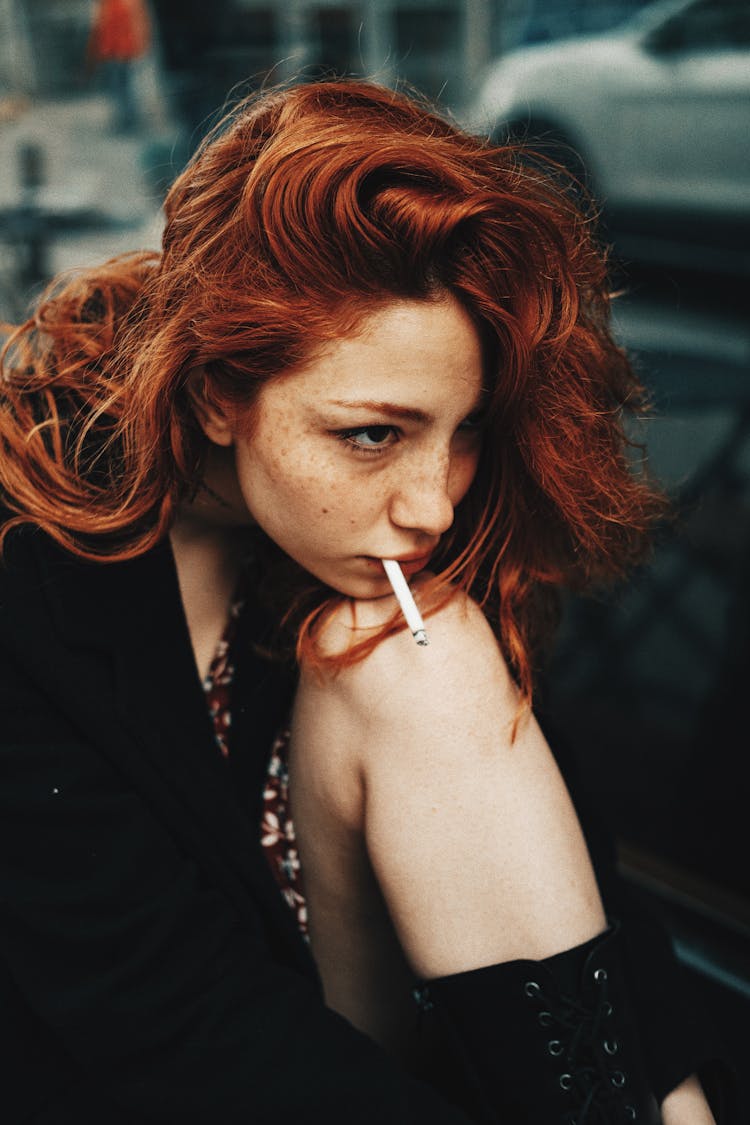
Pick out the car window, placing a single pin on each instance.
(707, 25)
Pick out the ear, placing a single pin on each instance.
(214, 420)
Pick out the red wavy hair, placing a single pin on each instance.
(305, 210)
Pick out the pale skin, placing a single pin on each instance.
(431, 841)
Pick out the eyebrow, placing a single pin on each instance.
(408, 412)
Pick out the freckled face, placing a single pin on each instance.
(364, 453)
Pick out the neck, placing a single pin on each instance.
(208, 560)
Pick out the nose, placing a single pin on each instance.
(422, 497)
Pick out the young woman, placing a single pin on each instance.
(368, 336)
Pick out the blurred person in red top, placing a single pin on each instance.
(120, 35)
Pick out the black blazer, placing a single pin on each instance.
(149, 968)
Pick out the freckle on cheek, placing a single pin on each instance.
(324, 511)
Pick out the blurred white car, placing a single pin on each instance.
(658, 109)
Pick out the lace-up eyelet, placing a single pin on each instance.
(607, 1008)
(532, 989)
(611, 1046)
(545, 1019)
(422, 998)
(600, 975)
(566, 1081)
(555, 1047)
(617, 1078)
(630, 1110)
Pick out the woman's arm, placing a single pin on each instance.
(472, 836)
(686, 1105)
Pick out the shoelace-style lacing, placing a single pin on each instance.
(579, 1041)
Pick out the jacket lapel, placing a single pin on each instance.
(127, 622)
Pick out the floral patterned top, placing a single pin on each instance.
(277, 827)
(277, 832)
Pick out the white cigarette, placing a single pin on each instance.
(406, 601)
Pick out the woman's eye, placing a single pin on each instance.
(369, 437)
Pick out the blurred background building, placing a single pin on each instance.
(650, 102)
(438, 47)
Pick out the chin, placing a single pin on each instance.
(361, 589)
(351, 577)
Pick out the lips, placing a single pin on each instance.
(410, 564)
(413, 565)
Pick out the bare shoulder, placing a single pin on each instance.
(457, 627)
(427, 734)
(451, 683)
